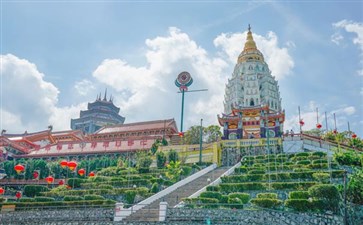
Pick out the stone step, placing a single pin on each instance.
(151, 212)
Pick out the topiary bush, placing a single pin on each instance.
(44, 199)
(68, 198)
(299, 195)
(211, 194)
(33, 190)
(27, 200)
(301, 205)
(319, 161)
(242, 169)
(213, 188)
(321, 177)
(105, 186)
(256, 172)
(75, 182)
(303, 162)
(154, 188)
(267, 195)
(302, 154)
(292, 185)
(235, 203)
(93, 197)
(244, 197)
(327, 193)
(320, 154)
(240, 187)
(266, 202)
(130, 196)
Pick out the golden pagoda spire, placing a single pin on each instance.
(250, 51)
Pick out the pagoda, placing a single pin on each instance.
(252, 103)
(99, 113)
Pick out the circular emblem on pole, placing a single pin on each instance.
(183, 81)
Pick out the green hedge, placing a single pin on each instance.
(69, 198)
(130, 196)
(75, 182)
(213, 188)
(267, 195)
(242, 178)
(303, 162)
(235, 203)
(299, 195)
(244, 197)
(266, 202)
(240, 170)
(320, 161)
(240, 187)
(256, 172)
(302, 154)
(44, 199)
(321, 154)
(93, 197)
(27, 200)
(34, 190)
(29, 205)
(291, 185)
(211, 194)
(301, 205)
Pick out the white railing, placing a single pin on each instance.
(216, 182)
(121, 213)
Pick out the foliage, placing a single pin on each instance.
(75, 182)
(211, 194)
(192, 135)
(292, 185)
(160, 159)
(320, 154)
(240, 187)
(327, 193)
(107, 202)
(213, 188)
(256, 172)
(72, 198)
(299, 195)
(355, 187)
(174, 170)
(154, 188)
(300, 205)
(34, 190)
(186, 170)
(241, 169)
(44, 199)
(93, 197)
(267, 195)
(27, 200)
(266, 202)
(130, 196)
(244, 197)
(235, 203)
(212, 133)
(143, 160)
(303, 162)
(349, 158)
(321, 177)
(173, 156)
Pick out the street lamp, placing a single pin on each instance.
(201, 142)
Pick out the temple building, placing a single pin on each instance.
(98, 114)
(252, 103)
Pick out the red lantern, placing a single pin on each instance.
(2, 191)
(91, 174)
(72, 165)
(35, 174)
(49, 179)
(69, 187)
(181, 134)
(302, 123)
(318, 126)
(81, 172)
(18, 195)
(19, 168)
(63, 163)
(61, 182)
(354, 136)
(335, 131)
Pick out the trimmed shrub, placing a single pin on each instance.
(27, 200)
(328, 193)
(44, 199)
(303, 162)
(318, 166)
(267, 195)
(154, 188)
(130, 196)
(301, 169)
(105, 186)
(68, 198)
(93, 197)
(75, 182)
(213, 188)
(320, 154)
(244, 197)
(235, 203)
(292, 185)
(321, 177)
(256, 172)
(211, 194)
(186, 170)
(299, 195)
(224, 199)
(319, 161)
(266, 202)
(302, 154)
(301, 205)
(240, 187)
(33, 190)
(241, 169)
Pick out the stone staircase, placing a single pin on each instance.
(151, 212)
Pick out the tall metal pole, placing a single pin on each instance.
(182, 112)
(345, 198)
(300, 120)
(201, 141)
(326, 122)
(335, 122)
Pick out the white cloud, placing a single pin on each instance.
(84, 87)
(356, 28)
(28, 101)
(278, 59)
(336, 38)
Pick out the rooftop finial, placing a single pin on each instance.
(105, 97)
(249, 28)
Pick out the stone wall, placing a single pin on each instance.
(251, 217)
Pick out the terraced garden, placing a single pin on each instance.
(297, 182)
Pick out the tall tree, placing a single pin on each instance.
(212, 133)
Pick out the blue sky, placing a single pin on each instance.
(57, 56)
